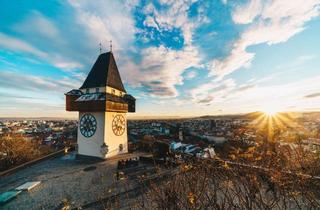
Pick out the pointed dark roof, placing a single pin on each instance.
(104, 73)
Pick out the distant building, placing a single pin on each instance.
(180, 134)
(216, 139)
(213, 124)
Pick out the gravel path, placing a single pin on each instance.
(61, 178)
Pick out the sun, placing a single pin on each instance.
(271, 110)
(271, 119)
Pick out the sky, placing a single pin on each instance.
(177, 57)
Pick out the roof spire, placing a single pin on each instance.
(100, 47)
(110, 45)
(104, 73)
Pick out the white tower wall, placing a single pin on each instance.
(91, 146)
(104, 134)
(113, 141)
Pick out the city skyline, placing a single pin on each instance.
(179, 58)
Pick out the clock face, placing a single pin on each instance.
(118, 125)
(88, 125)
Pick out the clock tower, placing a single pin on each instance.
(102, 103)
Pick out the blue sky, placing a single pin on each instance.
(177, 57)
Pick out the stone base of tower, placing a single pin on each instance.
(104, 143)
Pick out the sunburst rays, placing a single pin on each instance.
(271, 122)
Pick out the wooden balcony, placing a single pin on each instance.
(94, 105)
(99, 102)
(115, 106)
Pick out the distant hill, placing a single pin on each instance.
(257, 114)
(289, 115)
(252, 115)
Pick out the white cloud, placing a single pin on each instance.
(212, 92)
(238, 58)
(37, 32)
(294, 96)
(62, 63)
(18, 80)
(191, 75)
(148, 9)
(19, 45)
(174, 16)
(278, 21)
(224, 1)
(246, 13)
(38, 25)
(107, 21)
(166, 2)
(161, 69)
(287, 96)
(68, 65)
(150, 22)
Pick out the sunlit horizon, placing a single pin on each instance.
(261, 115)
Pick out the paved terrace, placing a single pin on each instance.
(65, 177)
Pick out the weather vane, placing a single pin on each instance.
(110, 45)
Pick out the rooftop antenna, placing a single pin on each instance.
(110, 45)
(100, 47)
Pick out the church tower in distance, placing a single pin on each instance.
(102, 103)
